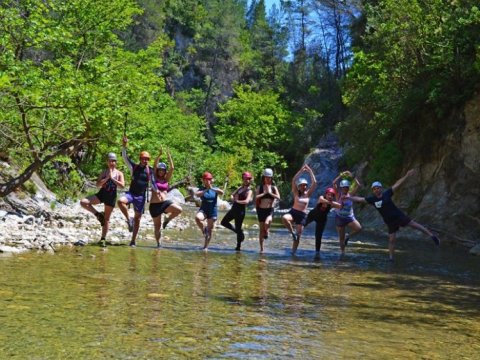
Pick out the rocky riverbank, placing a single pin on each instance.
(38, 223)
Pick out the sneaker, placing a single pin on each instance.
(347, 239)
(294, 236)
(79, 243)
(436, 240)
(102, 243)
(100, 217)
(130, 224)
(165, 223)
(132, 244)
(238, 247)
(240, 237)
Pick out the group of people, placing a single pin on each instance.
(340, 197)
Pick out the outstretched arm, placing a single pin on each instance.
(402, 179)
(295, 178)
(313, 180)
(125, 157)
(157, 160)
(358, 199)
(169, 174)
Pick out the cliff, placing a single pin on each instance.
(445, 194)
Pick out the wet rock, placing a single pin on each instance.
(475, 250)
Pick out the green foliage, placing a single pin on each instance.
(254, 126)
(417, 62)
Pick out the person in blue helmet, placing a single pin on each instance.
(344, 215)
(295, 219)
(208, 212)
(393, 217)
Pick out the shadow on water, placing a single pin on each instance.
(181, 302)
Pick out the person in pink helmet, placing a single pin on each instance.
(393, 217)
(240, 197)
(319, 214)
(208, 211)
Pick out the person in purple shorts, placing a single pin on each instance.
(344, 215)
(393, 217)
(108, 181)
(142, 176)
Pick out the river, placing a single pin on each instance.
(179, 302)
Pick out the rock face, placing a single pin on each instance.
(324, 163)
(445, 193)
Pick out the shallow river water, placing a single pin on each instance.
(179, 302)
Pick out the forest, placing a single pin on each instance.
(227, 85)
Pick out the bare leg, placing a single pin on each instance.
(355, 228)
(157, 224)
(108, 213)
(261, 234)
(341, 237)
(391, 245)
(122, 205)
(208, 237)
(422, 228)
(296, 242)
(87, 203)
(173, 211)
(136, 226)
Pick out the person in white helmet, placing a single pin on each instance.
(393, 217)
(344, 215)
(108, 181)
(295, 219)
(265, 196)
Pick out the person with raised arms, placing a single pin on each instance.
(108, 182)
(208, 212)
(344, 215)
(295, 219)
(393, 217)
(319, 214)
(158, 203)
(240, 197)
(142, 174)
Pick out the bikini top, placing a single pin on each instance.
(162, 185)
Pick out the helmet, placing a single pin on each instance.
(112, 156)
(246, 175)
(268, 172)
(207, 176)
(162, 166)
(330, 191)
(344, 183)
(145, 154)
(376, 184)
(302, 181)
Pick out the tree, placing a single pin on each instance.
(65, 79)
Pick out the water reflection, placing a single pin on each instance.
(179, 302)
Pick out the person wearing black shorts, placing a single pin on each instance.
(108, 181)
(265, 196)
(240, 197)
(393, 217)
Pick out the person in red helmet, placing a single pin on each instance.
(319, 214)
(142, 176)
(240, 197)
(208, 209)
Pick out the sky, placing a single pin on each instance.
(269, 3)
